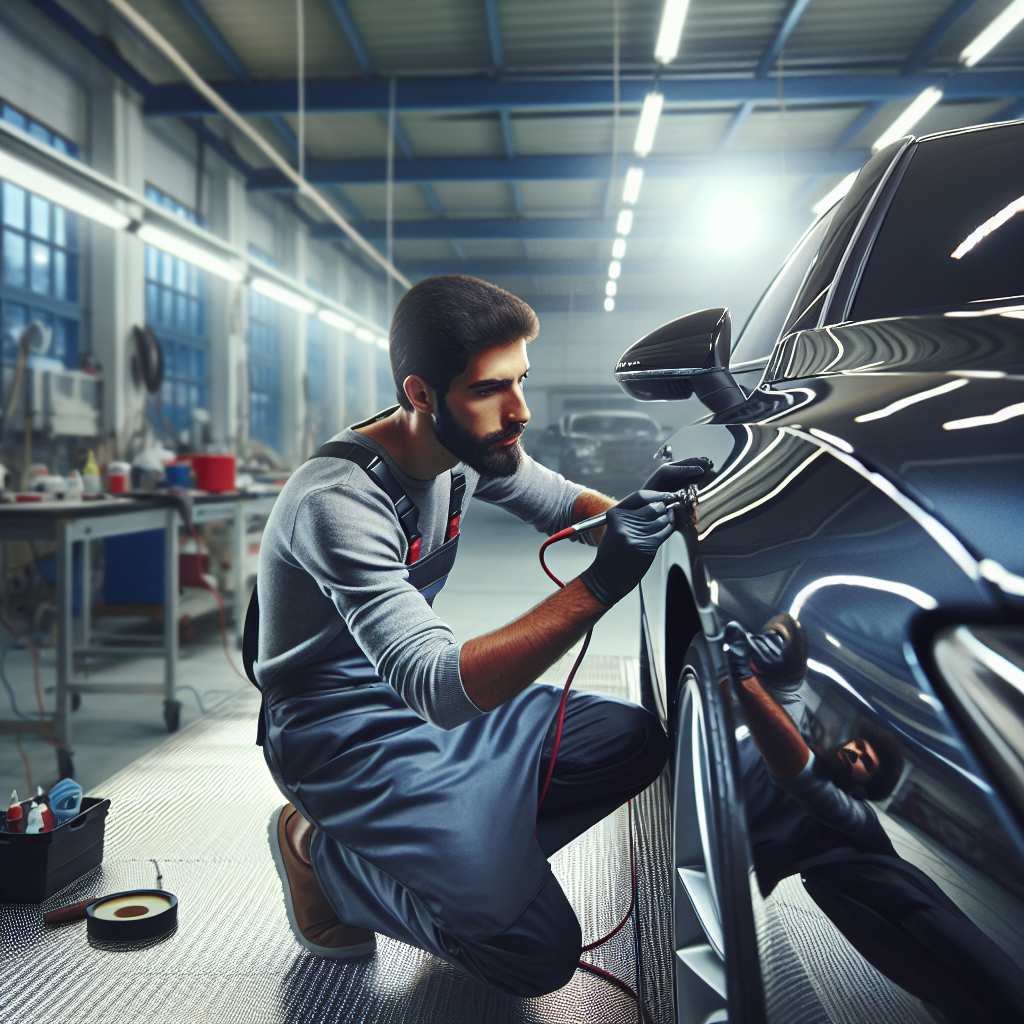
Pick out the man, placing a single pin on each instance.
(806, 813)
(411, 761)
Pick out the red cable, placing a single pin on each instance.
(220, 608)
(560, 719)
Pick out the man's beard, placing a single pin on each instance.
(830, 765)
(477, 452)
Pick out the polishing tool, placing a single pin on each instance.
(122, 916)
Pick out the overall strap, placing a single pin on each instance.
(377, 468)
(458, 493)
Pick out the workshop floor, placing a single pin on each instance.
(198, 803)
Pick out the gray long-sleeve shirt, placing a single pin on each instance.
(333, 556)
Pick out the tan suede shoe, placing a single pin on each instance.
(311, 917)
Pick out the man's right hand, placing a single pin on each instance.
(634, 530)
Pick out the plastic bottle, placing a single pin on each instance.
(74, 488)
(91, 475)
(34, 822)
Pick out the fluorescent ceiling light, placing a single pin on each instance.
(283, 295)
(618, 248)
(609, 304)
(998, 29)
(625, 222)
(363, 334)
(673, 15)
(611, 288)
(631, 189)
(335, 320)
(614, 269)
(649, 115)
(32, 179)
(826, 202)
(174, 244)
(732, 224)
(382, 342)
(902, 125)
(983, 230)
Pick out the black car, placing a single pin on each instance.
(609, 451)
(868, 435)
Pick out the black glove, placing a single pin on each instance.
(676, 476)
(778, 656)
(634, 531)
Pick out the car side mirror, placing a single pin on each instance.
(687, 356)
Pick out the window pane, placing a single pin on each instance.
(950, 236)
(40, 217)
(39, 132)
(13, 317)
(166, 270)
(181, 275)
(39, 274)
(152, 302)
(166, 306)
(60, 274)
(71, 279)
(14, 259)
(11, 116)
(14, 206)
(152, 263)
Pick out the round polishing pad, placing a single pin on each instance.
(137, 914)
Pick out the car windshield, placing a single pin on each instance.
(954, 233)
(621, 426)
(761, 331)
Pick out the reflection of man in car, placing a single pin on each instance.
(806, 813)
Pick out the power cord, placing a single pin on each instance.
(632, 914)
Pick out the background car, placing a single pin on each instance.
(868, 438)
(608, 451)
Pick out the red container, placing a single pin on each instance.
(215, 473)
(191, 567)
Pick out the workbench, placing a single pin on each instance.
(69, 523)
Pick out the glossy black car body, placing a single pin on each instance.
(607, 451)
(870, 481)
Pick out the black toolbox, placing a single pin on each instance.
(33, 866)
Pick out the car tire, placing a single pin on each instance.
(717, 970)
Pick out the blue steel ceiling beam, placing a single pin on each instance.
(771, 55)
(353, 35)
(734, 126)
(557, 168)
(934, 36)
(564, 95)
(507, 229)
(494, 34)
(671, 268)
(216, 39)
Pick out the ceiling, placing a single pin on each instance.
(510, 149)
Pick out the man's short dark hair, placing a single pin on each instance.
(444, 320)
(890, 761)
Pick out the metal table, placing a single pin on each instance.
(68, 523)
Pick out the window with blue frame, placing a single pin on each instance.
(264, 341)
(176, 311)
(40, 263)
(321, 425)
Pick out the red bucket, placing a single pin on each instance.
(214, 473)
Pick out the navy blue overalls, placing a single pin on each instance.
(428, 835)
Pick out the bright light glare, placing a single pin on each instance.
(673, 16)
(983, 230)
(905, 403)
(649, 115)
(611, 288)
(625, 222)
(1009, 413)
(998, 29)
(335, 320)
(363, 334)
(618, 248)
(732, 224)
(185, 250)
(827, 201)
(609, 304)
(32, 179)
(631, 188)
(902, 125)
(283, 295)
(918, 597)
(382, 343)
(614, 269)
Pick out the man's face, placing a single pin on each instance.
(484, 413)
(854, 763)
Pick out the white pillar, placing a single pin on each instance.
(117, 269)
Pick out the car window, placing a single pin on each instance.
(761, 331)
(954, 232)
(808, 305)
(626, 426)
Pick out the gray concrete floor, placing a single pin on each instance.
(496, 578)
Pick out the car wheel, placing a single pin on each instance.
(718, 975)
